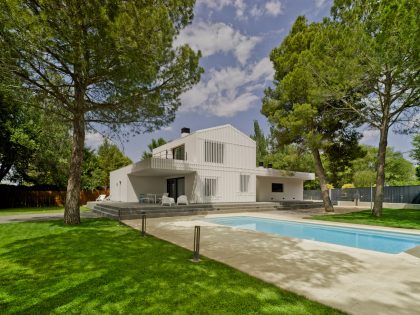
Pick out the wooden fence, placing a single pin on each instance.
(16, 198)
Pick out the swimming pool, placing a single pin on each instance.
(386, 242)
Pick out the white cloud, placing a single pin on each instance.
(218, 38)
(239, 5)
(167, 128)
(370, 136)
(263, 69)
(228, 91)
(320, 3)
(271, 7)
(93, 139)
(256, 11)
(274, 8)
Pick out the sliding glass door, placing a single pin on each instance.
(175, 187)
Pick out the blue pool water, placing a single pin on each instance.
(387, 242)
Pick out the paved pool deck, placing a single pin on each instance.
(353, 280)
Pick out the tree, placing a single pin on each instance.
(17, 142)
(379, 41)
(110, 158)
(301, 112)
(398, 170)
(415, 152)
(153, 145)
(33, 148)
(340, 155)
(91, 172)
(261, 142)
(100, 62)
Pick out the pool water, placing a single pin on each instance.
(386, 242)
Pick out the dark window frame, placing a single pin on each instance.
(279, 189)
(179, 156)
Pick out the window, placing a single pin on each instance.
(244, 183)
(213, 152)
(210, 187)
(178, 153)
(275, 187)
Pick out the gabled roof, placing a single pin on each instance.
(237, 131)
(225, 126)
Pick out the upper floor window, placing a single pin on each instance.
(213, 151)
(244, 183)
(178, 153)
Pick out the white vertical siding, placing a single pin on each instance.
(292, 189)
(228, 187)
(239, 158)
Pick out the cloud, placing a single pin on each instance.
(320, 3)
(242, 9)
(229, 90)
(370, 136)
(218, 5)
(94, 139)
(274, 8)
(218, 38)
(257, 11)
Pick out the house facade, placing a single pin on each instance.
(208, 166)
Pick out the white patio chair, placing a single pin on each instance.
(101, 198)
(182, 200)
(159, 198)
(167, 201)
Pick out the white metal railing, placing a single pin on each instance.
(170, 164)
(168, 155)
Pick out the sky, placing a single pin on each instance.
(235, 38)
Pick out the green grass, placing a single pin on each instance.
(102, 267)
(400, 218)
(17, 211)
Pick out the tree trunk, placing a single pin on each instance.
(380, 171)
(72, 208)
(320, 172)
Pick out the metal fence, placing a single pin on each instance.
(392, 194)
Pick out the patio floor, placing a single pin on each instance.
(354, 280)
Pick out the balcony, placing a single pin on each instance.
(162, 167)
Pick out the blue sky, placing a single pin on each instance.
(236, 37)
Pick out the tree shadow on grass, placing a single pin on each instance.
(103, 267)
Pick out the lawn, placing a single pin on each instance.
(400, 218)
(102, 267)
(17, 211)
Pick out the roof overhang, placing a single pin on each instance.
(270, 172)
(160, 167)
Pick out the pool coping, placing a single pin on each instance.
(414, 251)
(318, 222)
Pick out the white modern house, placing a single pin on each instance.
(208, 166)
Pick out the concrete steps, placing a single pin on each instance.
(121, 211)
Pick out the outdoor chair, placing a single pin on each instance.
(167, 201)
(182, 200)
(144, 199)
(159, 198)
(101, 198)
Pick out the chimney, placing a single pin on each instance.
(261, 164)
(185, 132)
